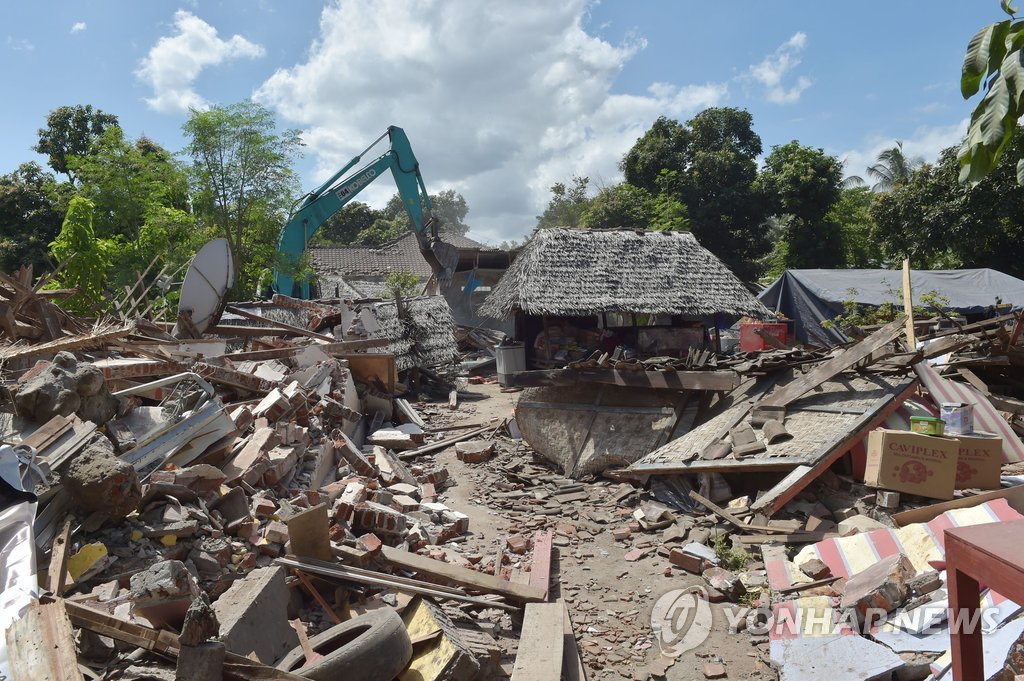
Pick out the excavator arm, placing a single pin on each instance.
(327, 199)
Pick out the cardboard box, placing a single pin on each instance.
(910, 462)
(979, 461)
(959, 417)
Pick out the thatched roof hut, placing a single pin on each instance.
(575, 272)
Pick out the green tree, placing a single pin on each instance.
(621, 206)
(800, 185)
(448, 206)
(32, 206)
(242, 181)
(938, 222)
(665, 146)
(87, 270)
(402, 283)
(567, 204)
(70, 132)
(140, 194)
(892, 167)
(715, 157)
(995, 59)
(852, 212)
(344, 227)
(383, 230)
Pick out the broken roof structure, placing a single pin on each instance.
(813, 296)
(360, 271)
(576, 272)
(422, 334)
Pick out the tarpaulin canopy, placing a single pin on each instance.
(812, 296)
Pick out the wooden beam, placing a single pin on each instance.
(329, 348)
(770, 406)
(791, 538)
(540, 567)
(298, 330)
(464, 577)
(729, 517)
(539, 654)
(56, 573)
(908, 305)
(41, 645)
(572, 665)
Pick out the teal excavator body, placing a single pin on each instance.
(327, 199)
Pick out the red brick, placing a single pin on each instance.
(517, 543)
(371, 542)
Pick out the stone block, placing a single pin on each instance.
(253, 616)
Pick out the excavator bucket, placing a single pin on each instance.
(443, 259)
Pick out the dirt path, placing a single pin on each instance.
(610, 598)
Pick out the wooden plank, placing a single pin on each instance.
(41, 645)
(346, 573)
(807, 585)
(768, 407)
(781, 494)
(464, 577)
(297, 330)
(56, 574)
(1014, 497)
(540, 567)
(329, 348)
(725, 515)
(791, 538)
(539, 655)
(369, 367)
(908, 305)
(48, 433)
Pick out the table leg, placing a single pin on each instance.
(964, 601)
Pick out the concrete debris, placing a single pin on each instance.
(242, 494)
(98, 481)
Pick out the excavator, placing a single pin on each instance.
(315, 207)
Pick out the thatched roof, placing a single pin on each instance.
(425, 337)
(574, 272)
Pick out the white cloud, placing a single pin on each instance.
(499, 100)
(925, 142)
(773, 69)
(19, 45)
(175, 61)
(78, 27)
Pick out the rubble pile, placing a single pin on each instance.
(302, 492)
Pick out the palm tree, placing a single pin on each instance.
(893, 167)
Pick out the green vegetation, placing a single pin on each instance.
(855, 315)
(729, 557)
(402, 284)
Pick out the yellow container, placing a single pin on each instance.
(927, 425)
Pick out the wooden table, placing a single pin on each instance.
(992, 554)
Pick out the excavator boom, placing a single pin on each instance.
(327, 199)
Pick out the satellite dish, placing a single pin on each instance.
(207, 282)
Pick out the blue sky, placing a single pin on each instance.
(499, 99)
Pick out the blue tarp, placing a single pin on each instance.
(812, 296)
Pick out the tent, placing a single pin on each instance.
(812, 296)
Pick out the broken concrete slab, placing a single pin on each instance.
(163, 593)
(253, 615)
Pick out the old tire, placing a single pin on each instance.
(371, 647)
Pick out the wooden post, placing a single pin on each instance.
(908, 305)
(718, 336)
